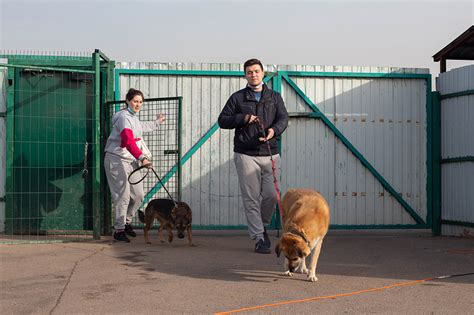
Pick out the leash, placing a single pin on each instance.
(148, 171)
(275, 181)
(342, 295)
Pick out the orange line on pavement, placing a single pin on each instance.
(401, 284)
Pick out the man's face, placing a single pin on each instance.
(254, 74)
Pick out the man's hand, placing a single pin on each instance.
(270, 134)
(253, 119)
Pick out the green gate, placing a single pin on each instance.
(53, 146)
(164, 145)
(289, 78)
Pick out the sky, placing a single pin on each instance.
(341, 33)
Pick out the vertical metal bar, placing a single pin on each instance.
(107, 205)
(100, 166)
(96, 146)
(429, 154)
(117, 88)
(277, 88)
(436, 156)
(180, 103)
(10, 130)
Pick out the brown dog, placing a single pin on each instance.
(305, 223)
(170, 215)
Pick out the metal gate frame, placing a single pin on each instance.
(175, 169)
(317, 114)
(101, 68)
(437, 98)
(433, 185)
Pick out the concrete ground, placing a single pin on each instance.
(358, 271)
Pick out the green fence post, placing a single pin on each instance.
(96, 146)
(436, 164)
(10, 133)
(276, 86)
(180, 126)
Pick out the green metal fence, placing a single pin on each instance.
(53, 148)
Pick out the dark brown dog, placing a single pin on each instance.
(170, 215)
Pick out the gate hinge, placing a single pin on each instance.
(3, 114)
(3, 199)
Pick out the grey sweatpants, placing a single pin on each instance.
(126, 198)
(258, 190)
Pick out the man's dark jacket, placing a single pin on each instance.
(270, 110)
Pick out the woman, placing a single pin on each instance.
(124, 152)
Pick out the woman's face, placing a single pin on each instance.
(135, 103)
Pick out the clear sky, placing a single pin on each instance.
(359, 33)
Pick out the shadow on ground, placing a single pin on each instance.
(229, 256)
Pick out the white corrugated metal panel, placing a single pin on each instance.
(385, 119)
(209, 179)
(3, 139)
(457, 114)
(456, 80)
(457, 202)
(457, 130)
(455, 230)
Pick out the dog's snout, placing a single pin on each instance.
(180, 235)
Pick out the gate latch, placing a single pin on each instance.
(84, 170)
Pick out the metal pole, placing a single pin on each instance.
(96, 146)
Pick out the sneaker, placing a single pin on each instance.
(129, 230)
(121, 237)
(266, 239)
(262, 248)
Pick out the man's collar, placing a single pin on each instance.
(254, 88)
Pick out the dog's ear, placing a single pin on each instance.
(189, 216)
(277, 250)
(303, 252)
(299, 253)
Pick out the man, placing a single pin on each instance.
(258, 115)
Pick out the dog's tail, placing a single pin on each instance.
(141, 216)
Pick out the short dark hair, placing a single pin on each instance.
(252, 62)
(132, 93)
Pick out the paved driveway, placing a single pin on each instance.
(359, 272)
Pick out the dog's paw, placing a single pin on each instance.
(149, 242)
(162, 241)
(312, 277)
(192, 245)
(288, 273)
(304, 270)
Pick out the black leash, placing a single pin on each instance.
(141, 179)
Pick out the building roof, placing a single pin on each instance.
(461, 48)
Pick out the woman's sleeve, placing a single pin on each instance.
(128, 139)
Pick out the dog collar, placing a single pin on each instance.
(300, 234)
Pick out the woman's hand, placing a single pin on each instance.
(160, 118)
(146, 163)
